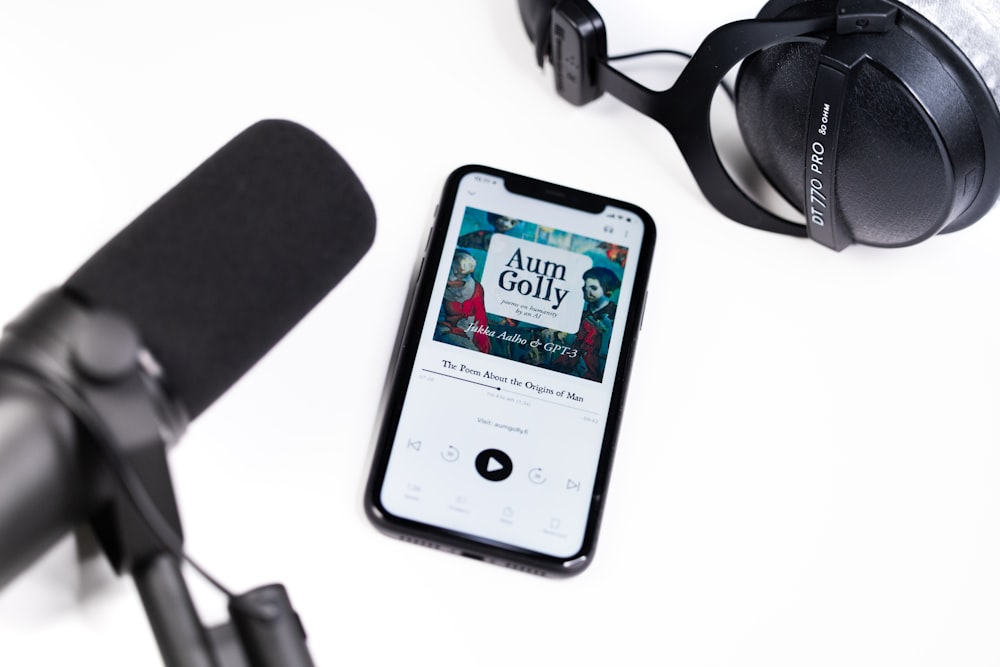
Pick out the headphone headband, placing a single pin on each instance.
(685, 109)
(850, 36)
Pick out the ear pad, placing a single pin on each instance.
(917, 152)
(972, 25)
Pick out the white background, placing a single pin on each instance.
(808, 472)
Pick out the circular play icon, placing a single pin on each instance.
(494, 465)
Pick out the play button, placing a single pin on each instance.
(494, 465)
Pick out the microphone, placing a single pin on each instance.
(156, 326)
(226, 263)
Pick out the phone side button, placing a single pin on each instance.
(430, 233)
(642, 310)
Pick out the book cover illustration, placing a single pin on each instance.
(532, 294)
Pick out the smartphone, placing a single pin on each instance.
(503, 405)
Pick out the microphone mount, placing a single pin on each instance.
(92, 367)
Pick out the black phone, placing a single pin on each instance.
(502, 410)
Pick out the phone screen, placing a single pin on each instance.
(507, 414)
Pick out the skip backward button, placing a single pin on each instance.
(494, 465)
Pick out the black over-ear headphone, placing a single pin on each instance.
(862, 113)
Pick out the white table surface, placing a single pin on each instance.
(809, 469)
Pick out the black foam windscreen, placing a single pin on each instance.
(220, 268)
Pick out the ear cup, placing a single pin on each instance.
(893, 182)
(917, 150)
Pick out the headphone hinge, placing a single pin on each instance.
(578, 44)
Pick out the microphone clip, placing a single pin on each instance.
(92, 364)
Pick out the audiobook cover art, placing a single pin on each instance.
(532, 294)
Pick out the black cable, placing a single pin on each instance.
(651, 52)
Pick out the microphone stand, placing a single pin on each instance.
(92, 363)
(264, 630)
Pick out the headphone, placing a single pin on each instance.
(864, 114)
